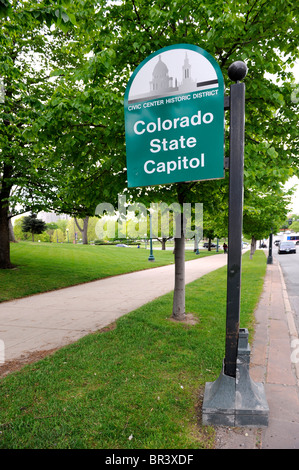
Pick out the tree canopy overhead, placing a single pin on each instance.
(29, 50)
(229, 31)
(62, 126)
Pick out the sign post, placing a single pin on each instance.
(234, 399)
(235, 218)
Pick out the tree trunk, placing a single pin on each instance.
(5, 189)
(163, 241)
(12, 237)
(4, 237)
(84, 229)
(178, 310)
(252, 246)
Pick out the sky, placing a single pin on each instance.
(294, 207)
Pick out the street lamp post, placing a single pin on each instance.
(197, 241)
(270, 258)
(67, 231)
(151, 256)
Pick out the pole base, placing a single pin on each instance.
(236, 401)
(151, 258)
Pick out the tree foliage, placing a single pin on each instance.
(29, 49)
(33, 225)
(62, 124)
(264, 213)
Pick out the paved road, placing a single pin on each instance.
(290, 268)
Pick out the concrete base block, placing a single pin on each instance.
(236, 401)
(219, 401)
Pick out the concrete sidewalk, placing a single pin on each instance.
(43, 322)
(275, 363)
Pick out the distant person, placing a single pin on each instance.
(225, 247)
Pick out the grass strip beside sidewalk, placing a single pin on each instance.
(135, 385)
(42, 267)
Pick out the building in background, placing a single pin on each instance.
(51, 217)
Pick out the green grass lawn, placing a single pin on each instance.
(47, 266)
(136, 385)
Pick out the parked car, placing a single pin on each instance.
(287, 247)
(206, 245)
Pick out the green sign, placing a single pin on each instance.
(174, 118)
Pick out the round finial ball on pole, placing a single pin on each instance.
(237, 71)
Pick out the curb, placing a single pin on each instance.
(291, 325)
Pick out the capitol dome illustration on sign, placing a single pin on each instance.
(172, 72)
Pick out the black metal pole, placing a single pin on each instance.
(151, 255)
(270, 258)
(236, 170)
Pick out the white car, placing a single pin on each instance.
(286, 247)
